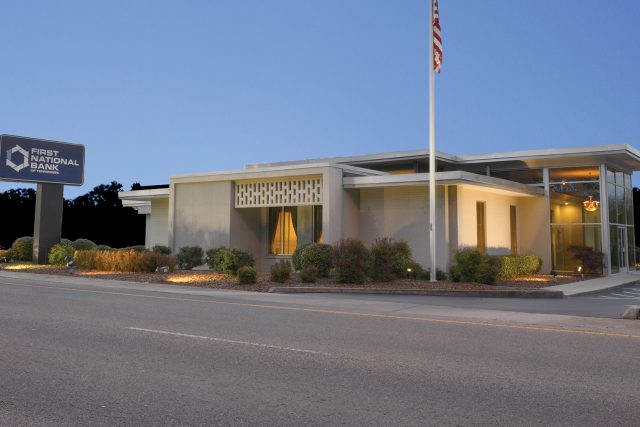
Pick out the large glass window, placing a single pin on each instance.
(290, 226)
(621, 231)
(575, 213)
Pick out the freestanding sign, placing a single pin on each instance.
(37, 160)
(51, 165)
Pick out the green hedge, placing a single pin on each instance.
(518, 265)
(123, 261)
(22, 249)
(189, 257)
(317, 255)
(229, 260)
(59, 253)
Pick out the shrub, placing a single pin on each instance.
(123, 261)
(486, 274)
(418, 272)
(351, 261)
(317, 255)
(295, 258)
(66, 242)
(83, 245)
(103, 248)
(591, 260)
(281, 271)
(161, 249)
(189, 257)
(467, 263)
(473, 265)
(22, 249)
(309, 274)
(389, 259)
(247, 275)
(228, 260)
(59, 253)
(518, 265)
(85, 260)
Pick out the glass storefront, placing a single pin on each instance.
(291, 226)
(621, 227)
(575, 214)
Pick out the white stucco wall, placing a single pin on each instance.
(158, 223)
(402, 213)
(534, 230)
(202, 214)
(498, 219)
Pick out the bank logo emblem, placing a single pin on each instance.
(21, 163)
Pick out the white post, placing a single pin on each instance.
(432, 150)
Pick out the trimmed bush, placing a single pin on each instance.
(351, 261)
(309, 274)
(389, 259)
(189, 257)
(281, 271)
(518, 265)
(59, 253)
(473, 265)
(161, 249)
(66, 242)
(247, 275)
(83, 245)
(22, 249)
(228, 260)
(592, 261)
(486, 274)
(295, 258)
(103, 248)
(123, 261)
(317, 255)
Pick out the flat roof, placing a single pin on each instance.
(623, 153)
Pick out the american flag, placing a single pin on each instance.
(437, 38)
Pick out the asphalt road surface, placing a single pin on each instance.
(99, 355)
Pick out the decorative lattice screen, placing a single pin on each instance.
(279, 192)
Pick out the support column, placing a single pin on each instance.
(47, 229)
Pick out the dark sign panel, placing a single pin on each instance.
(39, 160)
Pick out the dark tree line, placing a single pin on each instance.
(97, 215)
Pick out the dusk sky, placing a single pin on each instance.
(158, 88)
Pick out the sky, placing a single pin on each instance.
(156, 88)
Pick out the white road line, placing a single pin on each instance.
(254, 344)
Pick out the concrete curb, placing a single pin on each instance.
(498, 293)
(632, 312)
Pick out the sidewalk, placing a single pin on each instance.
(590, 286)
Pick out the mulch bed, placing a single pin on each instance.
(209, 279)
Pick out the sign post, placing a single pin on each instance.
(51, 165)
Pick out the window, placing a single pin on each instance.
(574, 195)
(290, 226)
(481, 225)
(514, 230)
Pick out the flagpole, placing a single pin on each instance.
(432, 151)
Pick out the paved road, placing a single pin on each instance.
(99, 355)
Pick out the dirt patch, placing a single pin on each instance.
(209, 279)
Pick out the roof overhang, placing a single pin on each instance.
(143, 195)
(483, 182)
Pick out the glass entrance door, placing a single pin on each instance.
(622, 247)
